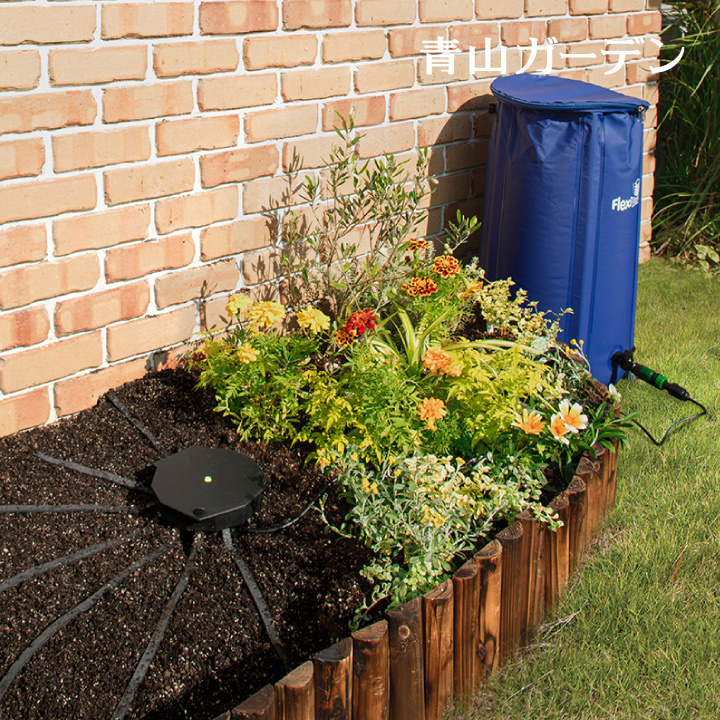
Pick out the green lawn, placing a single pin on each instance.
(645, 642)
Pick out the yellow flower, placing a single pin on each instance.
(559, 428)
(471, 289)
(238, 304)
(313, 319)
(572, 416)
(455, 370)
(530, 423)
(246, 353)
(432, 409)
(446, 265)
(265, 313)
(343, 338)
(369, 488)
(436, 360)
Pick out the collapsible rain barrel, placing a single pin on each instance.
(562, 205)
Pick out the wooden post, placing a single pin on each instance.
(438, 626)
(260, 706)
(589, 472)
(577, 499)
(533, 559)
(295, 696)
(333, 682)
(557, 553)
(371, 673)
(466, 635)
(489, 563)
(407, 663)
(612, 457)
(514, 590)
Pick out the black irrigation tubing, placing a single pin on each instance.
(30, 509)
(60, 623)
(83, 554)
(123, 706)
(102, 474)
(257, 597)
(136, 422)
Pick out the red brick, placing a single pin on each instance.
(382, 76)
(82, 392)
(194, 283)
(466, 155)
(26, 243)
(151, 333)
(475, 34)
(34, 24)
(469, 96)
(195, 58)
(177, 137)
(365, 111)
(97, 149)
(568, 29)
(404, 42)
(345, 46)
(284, 51)
(140, 182)
(644, 23)
(97, 310)
(450, 189)
(46, 111)
(238, 237)
(519, 33)
(90, 66)
(316, 14)
(100, 229)
(280, 123)
(381, 12)
(141, 259)
(238, 16)
(24, 411)
(315, 83)
(188, 211)
(227, 93)
(445, 10)
(21, 158)
(238, 165)
(137, 20)
(140, 102)
(417, 103)
(23, 327)
(588, 7)
(50, 362)
(19, 69)
(391, 139)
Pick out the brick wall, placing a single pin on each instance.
(142, 141)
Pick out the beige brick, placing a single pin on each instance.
(96, 149)
(238, 16)
(445, 10)
(649, 162)
(417, 103)
(238, 237)
(314, 83)
(194, 283)
(651, 93)
(82, 392)
(284, 51)
(588, 7)
(270, 193)
(147, 101)
(644, 23)
(261, 266)
(648, 183)
(21, 158)
(239, 165)
(598, 76)
(621, 6)
(280, 123)
(382, 76)
(576, 73)
(90, 66)
(138, 20)
(475, 34)
(519, 33)
(345, 46)
(305, 154)
(593, 50)
(391, 139)
(568, 29)
(23, 327)
(46, 198)
(450, 189)
(140, 182)
(97, 310)
(30, 23)
(141, 259)
(513, 63)
(638, 72)
(439, 131)
(466, 155)
(19, 69)
(101, 229)
(316, 14)
(404, 42)
(197, 210)
(380, 12)
(365, 111)
(45, 111)
(605, 27)
(25, 243)
(195, 58)
(439, 75)
(151, 333)
(24, 411)
(176, 137)
(649, 139)
(227, 93)
(651, 49)
(535, 8)
(496, 9)
(469, 96)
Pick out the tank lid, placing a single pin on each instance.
(550, 92)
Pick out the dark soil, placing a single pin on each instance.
(215, 651)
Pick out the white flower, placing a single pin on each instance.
(614, 393)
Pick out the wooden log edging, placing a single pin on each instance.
(411, 665)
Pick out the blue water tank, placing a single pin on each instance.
(562, 205)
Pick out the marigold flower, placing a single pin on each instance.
(572, 416)
(343, 338)
(238, 304)
(246, 353)
(436, 360)
(313, 319)
(530, 423)
(417, 244)
(559, 428)
(360, 321)
(455, 370)
(473, 288)
(446, 265)
(265, 313)
(432, 409)
(419, 287)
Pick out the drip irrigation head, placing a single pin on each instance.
(208, 489)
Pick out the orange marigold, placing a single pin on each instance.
(419, 287)
(446, 265)
(436, 360)
(430, 410)
(343, 338)
(417, 244)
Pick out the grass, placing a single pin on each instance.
(644, 642)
